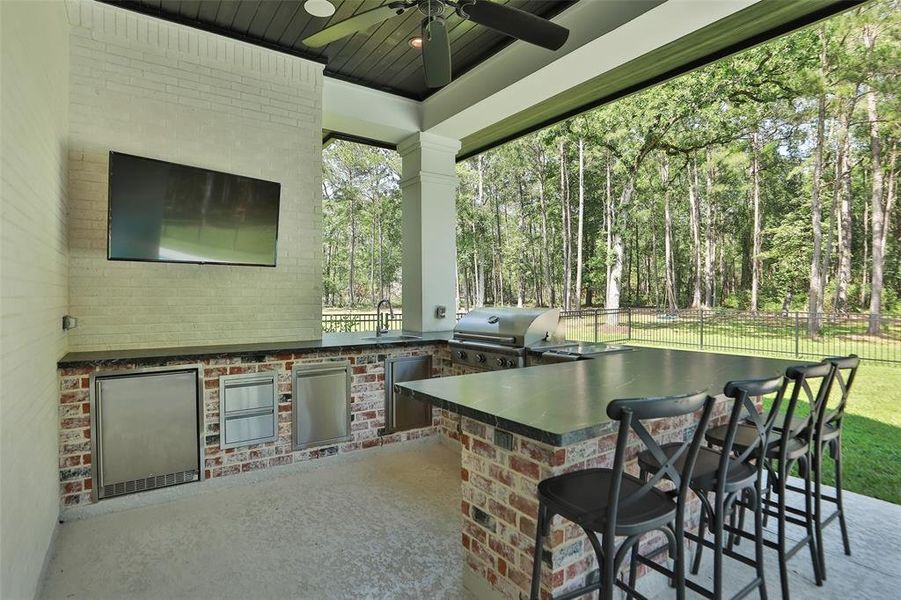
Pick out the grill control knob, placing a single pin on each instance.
(501, 362)
(511, 363)
(480, 358)
(461, 354)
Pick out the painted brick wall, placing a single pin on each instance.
(33, 286)
(143, 86)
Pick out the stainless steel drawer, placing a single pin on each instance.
(248, 393)
(321, 404)
(248, 410)
(248, 429)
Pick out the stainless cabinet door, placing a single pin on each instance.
(321, 406)
(405, 412)
(147, 425)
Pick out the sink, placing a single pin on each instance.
(390, 337)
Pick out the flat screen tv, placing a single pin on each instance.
(165, 212)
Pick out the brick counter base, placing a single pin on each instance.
(367, 413)
(500, 505)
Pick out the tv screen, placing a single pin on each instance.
(164, 212)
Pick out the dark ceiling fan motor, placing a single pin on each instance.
(436, 53)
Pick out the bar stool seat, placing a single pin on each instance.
(746, 435)
(582, 497)
(704, 475)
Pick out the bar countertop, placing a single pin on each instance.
(329, 341)
(561, 404)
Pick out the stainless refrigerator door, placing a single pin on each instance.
(147, 425)
(321, 405)
(405, 412)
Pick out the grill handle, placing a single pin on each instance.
(510, 339)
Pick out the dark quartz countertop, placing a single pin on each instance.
(565, 403)
(329, 341)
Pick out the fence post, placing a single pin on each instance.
(595, 326)
(797, 333)
(702, 327)
(629, 313)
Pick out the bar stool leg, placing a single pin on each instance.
(783, 563)
(702, 532)
(818, 506)
(757, 498)
(540, 533)
(718, 522)
(837, 451)
(810, 526)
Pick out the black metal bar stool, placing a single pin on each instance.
(730, 475)
(789, 444)
(828, 435)
(612, 503)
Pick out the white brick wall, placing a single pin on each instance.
(143, 86)
(33, 281)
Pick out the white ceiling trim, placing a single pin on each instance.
(522, 75)
(459, 110)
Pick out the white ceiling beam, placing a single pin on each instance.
(509, 82)
(366, 113)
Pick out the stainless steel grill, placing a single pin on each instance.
(499, 337)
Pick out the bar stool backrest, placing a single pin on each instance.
(630, 412)
(743, 393)
(845, 372)
(802, 377)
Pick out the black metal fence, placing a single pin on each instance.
(739, 331)
(707, 329)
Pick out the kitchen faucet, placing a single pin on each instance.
(381, 327)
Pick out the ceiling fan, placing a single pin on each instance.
(436, 54)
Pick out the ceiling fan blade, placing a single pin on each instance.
(436, 53)
(360, 22)
(517, 23)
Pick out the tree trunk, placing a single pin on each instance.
(580, 224)
(566, 232)
(756, 231)
(710, 240)
(845, 225)
(351, 295)
(616, 271)
(478, 265)
(877, 210)
(815, 290)
(694, 218)
(669, 275)
(546, 267)
(608, 218)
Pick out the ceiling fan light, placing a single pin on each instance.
(319, 8)
(415, 42)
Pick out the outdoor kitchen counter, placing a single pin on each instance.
(521, 426)
(561, 404)
(329, 341)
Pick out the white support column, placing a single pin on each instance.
(429, 185)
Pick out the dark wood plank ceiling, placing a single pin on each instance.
(380, 58)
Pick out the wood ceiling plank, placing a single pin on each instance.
(208, 10)
(189, 9)
(226, 13)
(246, 11)
(284, 16)
(262, 18)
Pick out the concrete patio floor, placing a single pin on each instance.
(383, 524)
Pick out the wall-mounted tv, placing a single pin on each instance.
(165, 212)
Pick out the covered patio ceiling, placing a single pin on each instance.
(615, 48)
(501, 90)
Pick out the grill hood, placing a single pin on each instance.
(517, 327)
